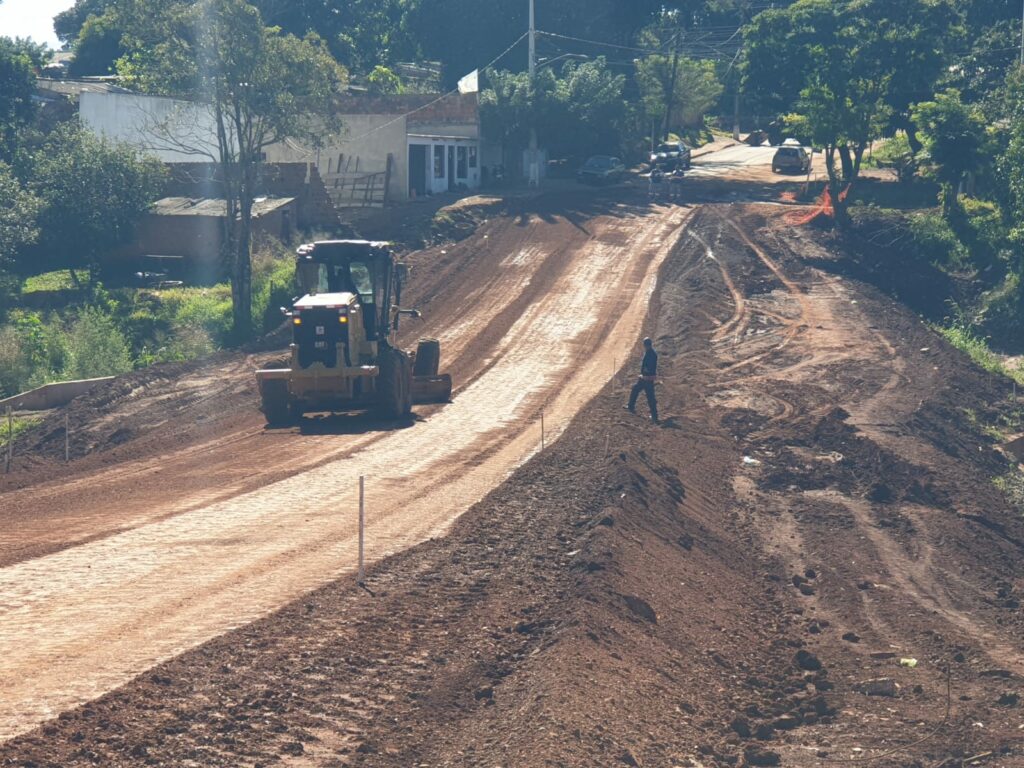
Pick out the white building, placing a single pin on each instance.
(390, 147)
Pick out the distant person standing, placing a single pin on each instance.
(657, 183)
(645, 384)
(675, 185)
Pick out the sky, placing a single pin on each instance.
(31, 18)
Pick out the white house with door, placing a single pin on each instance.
(390, 148)
(411, 145)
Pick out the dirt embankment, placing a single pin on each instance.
(716, 591)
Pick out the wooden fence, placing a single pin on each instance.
(352, 186)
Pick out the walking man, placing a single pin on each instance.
(645, 384)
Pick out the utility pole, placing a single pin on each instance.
(1022, 35)
(534, 173)
(670, 96)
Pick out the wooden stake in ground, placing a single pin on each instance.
(10, 437)
(542, 429)
(361, 524)
(67, 441)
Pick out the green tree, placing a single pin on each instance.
(17, 84)
(360, 34)
(578, 112)
(96, 347)
(383, 81)
(1010, 168)
(17, 216)
(17, 230)
(259, 86)
(93, 193)
(955, 141)
(98, 46)
(467, 34)
(511, 106)
(848, 71)
(68, 23)
(676, 90)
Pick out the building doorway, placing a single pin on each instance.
(451, 168)
(417, 170)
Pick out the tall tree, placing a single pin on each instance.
(258, 86)
(848, 70)
(93, 193)
(954, 139)
(68, 23)
(361, 34)
(592, 109)
(677, 90)
(98, 45)
(17, 230)
(17, 84)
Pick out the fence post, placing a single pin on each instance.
(362, 518)
(542, 430)
(10, 437)
(67, 440)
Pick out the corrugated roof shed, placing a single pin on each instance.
(209, 206)
(75, 87)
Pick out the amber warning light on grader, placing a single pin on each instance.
(352, 363)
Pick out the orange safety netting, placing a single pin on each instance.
(824, 208)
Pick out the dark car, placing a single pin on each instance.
(671, 155)
(601, 169)
(791, 158)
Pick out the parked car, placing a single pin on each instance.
(791, 158)
(601, 169)
(671, 155)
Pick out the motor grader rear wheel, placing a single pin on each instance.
(428, 358)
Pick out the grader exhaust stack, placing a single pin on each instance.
(343, 357)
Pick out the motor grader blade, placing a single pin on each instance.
(431, 389)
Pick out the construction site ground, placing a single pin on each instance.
(806, 563)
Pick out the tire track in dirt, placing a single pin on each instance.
(86, 619)
(917, 578)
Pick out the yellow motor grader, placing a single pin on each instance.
(343, 353)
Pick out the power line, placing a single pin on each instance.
(308, 153)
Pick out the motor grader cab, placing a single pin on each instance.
(343, 355)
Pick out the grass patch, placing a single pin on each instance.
(977, 349)
(21, 424)
(49, 281)
(1012, 486)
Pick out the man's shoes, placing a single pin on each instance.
(631, 410)
(654, 421)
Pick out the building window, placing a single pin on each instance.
(463, 170)
(438, 161)
(472, 157)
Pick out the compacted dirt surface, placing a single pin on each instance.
(155, 555)
(806, 563)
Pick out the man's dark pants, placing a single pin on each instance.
(647, 387)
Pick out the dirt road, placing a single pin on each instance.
(719, 591)
(152, 557)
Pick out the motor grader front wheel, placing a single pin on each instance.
(274, 402)
(394, 384)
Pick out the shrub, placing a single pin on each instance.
(273, 283)
(206, 308)
(896, 153)
(936, 242)
(1012, 486)
(96, 347)
(979, 225)
(14, 368)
